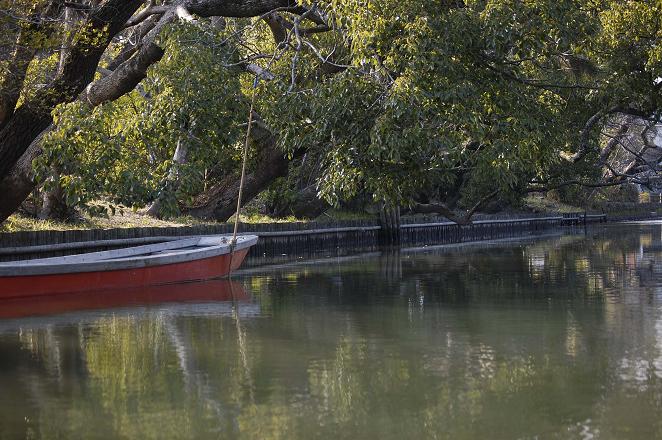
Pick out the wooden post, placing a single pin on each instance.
(389, 221)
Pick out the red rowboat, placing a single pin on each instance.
(176, 261)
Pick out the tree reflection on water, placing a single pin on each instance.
(553, 338)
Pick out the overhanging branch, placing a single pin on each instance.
(441, 209)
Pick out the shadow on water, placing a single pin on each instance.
(556, 337)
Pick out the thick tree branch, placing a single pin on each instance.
(237, 8)
(443, 210)
(149, 11)
(78, 69)
(220, 201)
(584, 146)
(19, 183)
(123, 79)
(134, 40)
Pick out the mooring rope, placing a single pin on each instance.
(243, 165)
(233, 242)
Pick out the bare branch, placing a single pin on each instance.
(123, 79)
(238, 8)
(613, 142)
(584, 145)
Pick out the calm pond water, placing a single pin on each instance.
(557, 337)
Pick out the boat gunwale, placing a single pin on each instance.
(127, 258)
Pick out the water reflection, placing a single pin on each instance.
(553, 338)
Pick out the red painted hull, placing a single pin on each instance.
(204, 269)
(203, 291)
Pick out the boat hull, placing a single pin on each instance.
(197, 270)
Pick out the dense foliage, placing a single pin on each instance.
(404, 102)
(122, 151)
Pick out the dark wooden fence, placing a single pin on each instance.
(287, 241)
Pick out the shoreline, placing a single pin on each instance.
(284, 242)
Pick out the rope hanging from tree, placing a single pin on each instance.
(243, 165)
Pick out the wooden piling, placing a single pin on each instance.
(389, 222)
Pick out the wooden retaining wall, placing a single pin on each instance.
(281, 242)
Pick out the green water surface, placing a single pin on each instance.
(558, 337)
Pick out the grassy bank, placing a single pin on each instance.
(130, 219)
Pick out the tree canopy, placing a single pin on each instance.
(431, 105)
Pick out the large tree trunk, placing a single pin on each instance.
(18, 185)
(308, 204)
(20, 128)
(54, 204)
(220, 201)
(19, 182)
(34, 115)
(443, 210)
